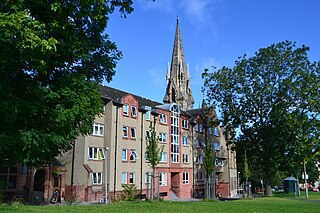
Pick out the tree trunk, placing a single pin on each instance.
(152, 185)
(268, 190)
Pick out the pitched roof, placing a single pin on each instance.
(116, 95)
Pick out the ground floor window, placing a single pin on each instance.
(8, 178)
(162, 178)
(97, 178)
(185, 178)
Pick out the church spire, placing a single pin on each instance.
(178, 84)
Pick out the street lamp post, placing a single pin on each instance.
(105, 175)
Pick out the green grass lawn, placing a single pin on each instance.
(274, 204)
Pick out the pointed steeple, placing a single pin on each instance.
(178, 84)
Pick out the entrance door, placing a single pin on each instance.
(38, 186)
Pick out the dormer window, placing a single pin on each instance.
(126, 109)
(133, 111)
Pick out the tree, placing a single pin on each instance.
(53, 55)
(153, 153)
(259, 94)
(209, 120)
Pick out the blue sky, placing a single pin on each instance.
(214, 33)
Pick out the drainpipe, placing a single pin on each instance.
(141, 148)
(72, 166)
(118, 105)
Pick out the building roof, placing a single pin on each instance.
(116, 95)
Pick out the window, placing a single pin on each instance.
(132, 178)
(185, 158)
(185, 124)
(8, 176)
(148, 135)
(133, 111)
(123, 178)
(95, 153)
(185, 140)
(162, 178)
(219, 162)
(147, 178)
(210, 130)
(185, 178)
(126, 109)
(197, 127)
(98, 129)
(200, 176)
(133, 155)
(124, 154)
(148, 115)
(163, 158)
(125, 131)
(203, 144)
(133, 132)
(163, 118)
(96, 178)
(197, 142)
(200, 127)
(175, 148)
(216, 132)
(216, 146)
(200, 159)
(162, 137)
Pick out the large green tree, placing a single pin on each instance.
(263, 96)
(53, 55)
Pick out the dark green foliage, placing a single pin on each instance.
(272, 98)
(53, 55)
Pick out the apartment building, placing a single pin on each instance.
(114, 153)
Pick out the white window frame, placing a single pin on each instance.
(126, 109)
(185, 124)
(148, 115)
(95, 153)
(216, 146)
(216, 132)
(162, 178)
(185, 177)
(124, 178)
(124, 151)
(133, 130)
(185, 158)
(185, 140)
(96, 178)
(163, 118)
(163, 158)
(133, 155)
(163, 137)
(133, 111)
(219, 162)
(133, 177)
(99, 131)
(125, 129)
